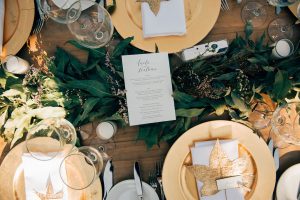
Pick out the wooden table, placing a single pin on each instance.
(125, 149)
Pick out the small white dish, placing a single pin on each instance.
(126, 190)
(288, 183)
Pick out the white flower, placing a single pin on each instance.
(11, 93)
(48, 112)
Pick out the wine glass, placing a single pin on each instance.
(50, 137)
(261, 115)
(286, 123)
(93, 28)
(255, 13)
(280, 28)
(58, 9)
(80, 168)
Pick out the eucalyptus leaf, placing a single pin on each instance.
(119, 49)
(281, 86)
(239, 103)
(95, 88)
(189, 112)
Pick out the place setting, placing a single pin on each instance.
(149, 100)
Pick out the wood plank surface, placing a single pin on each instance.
(124, 148)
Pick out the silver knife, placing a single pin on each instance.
(138, 181)
(107, 178)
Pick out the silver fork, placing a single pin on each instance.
(159, 180)
(224, 5)
(153, 181)
(41, 20)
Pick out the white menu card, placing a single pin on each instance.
(148, 88)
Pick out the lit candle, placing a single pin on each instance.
(283, 48)
(16, 65)
(106, 130)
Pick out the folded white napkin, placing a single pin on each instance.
(42, 177)
(2, 11)
(201, 155)
(170, 19)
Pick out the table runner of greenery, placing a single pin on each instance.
(95, 90)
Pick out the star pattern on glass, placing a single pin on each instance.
(50, 195)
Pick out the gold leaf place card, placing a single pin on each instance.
(153, 4)
(148, 88)
(219, 171)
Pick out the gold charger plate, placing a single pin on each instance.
(179, 184)
(201, 15)
(12, 183)
(18, 20)
(293, 8)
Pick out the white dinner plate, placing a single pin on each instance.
(126, 190)
(288, 183)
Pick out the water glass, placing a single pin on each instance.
(58, 9)
(82, 167)
(261, 115)
(255, 13)
(286, 123)
(50, 137)
(93, 28)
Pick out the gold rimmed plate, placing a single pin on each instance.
(13, 184)
(18, 20)
(293, 8)
(201, 15)
(179, 183)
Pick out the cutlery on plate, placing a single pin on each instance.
(108, 178)
(159, 180)
(152, 181)
(224, 5)
(41, 20)
(138, 180)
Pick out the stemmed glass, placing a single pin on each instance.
(261, 115)
(50, 137)
(93, 28)
(255, 13)
(58, 9)
(80, 168)
(279, 28)
(286, 123)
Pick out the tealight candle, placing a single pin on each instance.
(283, 48)
(16, 65)
(106, 130)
